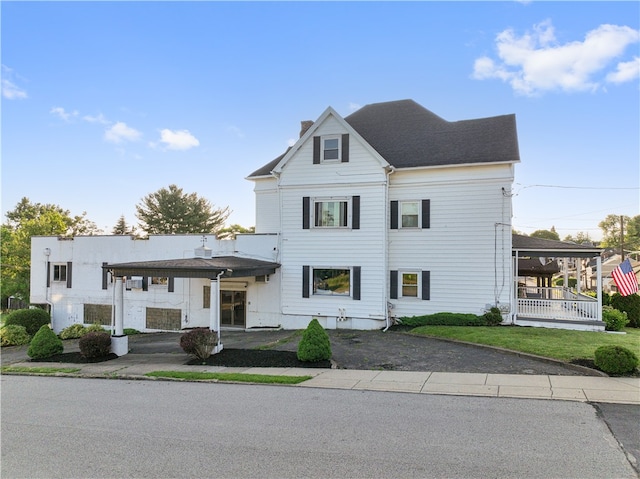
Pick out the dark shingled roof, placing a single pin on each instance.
(195, 267)
(526, 245)
(408, 135)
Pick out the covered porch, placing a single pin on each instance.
(542, 304)
(212, 268)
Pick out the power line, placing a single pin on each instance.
(577, 187)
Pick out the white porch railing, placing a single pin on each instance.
(556, 303)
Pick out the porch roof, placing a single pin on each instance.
(527, 246)
(231, 266)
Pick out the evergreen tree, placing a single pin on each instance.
(122, 228)
(171, 211)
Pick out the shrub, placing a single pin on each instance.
(130, 331)
(630, 305)
(199, 342)
(94, 328)
(95, 344)
(72, 332)
(14, 335)
(493, 317)
(615, 320)
(45, 344)
(314, 345)
(444, 319)
(615, 360)
(31, 319)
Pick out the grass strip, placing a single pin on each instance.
(551, 343)
(43, 370)
(231, 377)
(295, 335)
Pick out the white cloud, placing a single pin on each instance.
(10, 90)
(177, 139)
(121, 132)
(63, 114)
(354, 107)
(626, 71)
(535, 62)
(291, 141)
(96, 119)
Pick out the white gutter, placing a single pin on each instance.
(387, 319)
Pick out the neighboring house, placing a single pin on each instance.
(390, 211)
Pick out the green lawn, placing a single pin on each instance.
(552, 343)
(38, 370)
(232, 377)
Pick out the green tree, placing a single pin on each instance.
(122, 228)
(231, 231)
(24, 221)
(546, 234)
(579, 238)
(171, 211)
(610, 227)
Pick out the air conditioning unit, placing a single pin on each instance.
(263, 278)
(134, 284)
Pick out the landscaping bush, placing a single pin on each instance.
(630, 305)
(615, 360)
(130, 331)
(45, 344)
(31, 319)
(14, 335)
(493, 317)
(614, 320)
(95, 344)
(199, 342)
(444, 319)
(72, 332)
(314, 345)
(94, 328)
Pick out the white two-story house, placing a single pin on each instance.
(388, 212)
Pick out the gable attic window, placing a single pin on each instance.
(331, 149)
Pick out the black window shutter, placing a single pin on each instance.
(356, 282)
(426, 285)
(68, 274)
(305, 281)
(426, 213)
(355, 216)
(306, 212)
(105, 276)
(345, 148)
(393, 282)
(316, 150)
(394, 215)
(145, 283)
(171, 285)
(48, 273)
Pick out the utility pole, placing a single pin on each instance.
(622, 238)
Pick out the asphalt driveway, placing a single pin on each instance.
(377, 350)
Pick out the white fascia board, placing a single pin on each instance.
(309, 134)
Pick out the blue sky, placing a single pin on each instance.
(104, 103)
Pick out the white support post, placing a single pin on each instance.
(599, 287)
(214, 312)
(119, 341)
(514, 309)
(578, 274)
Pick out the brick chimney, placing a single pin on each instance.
(304, 126)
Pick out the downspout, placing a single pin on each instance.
(389, 171)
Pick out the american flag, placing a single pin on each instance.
(625, 278)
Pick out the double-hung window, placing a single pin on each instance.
(410, 213)
(60, 272)
(331, 148)
(332, 282)
(331, 213)
(409, 284)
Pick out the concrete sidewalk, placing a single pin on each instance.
(565, 388)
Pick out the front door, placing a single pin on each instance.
(232, 308)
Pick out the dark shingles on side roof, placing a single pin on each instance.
(407, 135)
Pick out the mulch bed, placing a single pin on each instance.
(257, 358)
(76, 358)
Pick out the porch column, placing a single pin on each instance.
(119, 341)
(514, 315)
(565, 264)
(214, 311)
(599, 287)
(578, 274)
